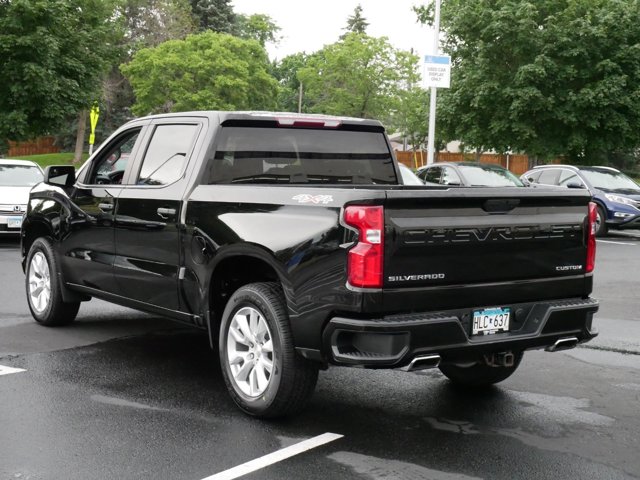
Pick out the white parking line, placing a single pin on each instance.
(8, 370)
(275, 457)
(617, 243)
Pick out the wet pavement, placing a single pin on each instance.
(120, 394)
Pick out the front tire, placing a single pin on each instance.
(44, 294)
(264, 375)
(479, 375)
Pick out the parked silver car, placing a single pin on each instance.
(16, 179)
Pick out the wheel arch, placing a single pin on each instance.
(234, 268)
(30, 232)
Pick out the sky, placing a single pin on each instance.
(309, 25)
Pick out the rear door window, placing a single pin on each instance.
(549, 176)
(300, 156)
(568, 176)
(166, 156)
(450, 177)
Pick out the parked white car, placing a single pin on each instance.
(16, 179)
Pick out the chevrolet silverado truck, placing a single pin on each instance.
(292, 241)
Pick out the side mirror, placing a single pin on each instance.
(60, 176)
(575, 185)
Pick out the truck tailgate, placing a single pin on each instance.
(458, 240)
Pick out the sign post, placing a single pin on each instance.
(95, 113)
(435, 68)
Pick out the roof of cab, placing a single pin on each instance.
(260, 115)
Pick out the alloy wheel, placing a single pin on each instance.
(39, 282)
(250, 353)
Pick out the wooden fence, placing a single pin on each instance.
(518, 164)
(33, 147)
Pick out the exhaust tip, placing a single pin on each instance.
(563, 344)
(423, 362)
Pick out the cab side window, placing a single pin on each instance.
(567, 176)
(450, 177)
(432, 175)
(166, 156)
(532, 177)
(548, 177)
(110, 166)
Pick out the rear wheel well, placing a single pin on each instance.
(231, 274)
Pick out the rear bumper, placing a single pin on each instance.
(393, 341)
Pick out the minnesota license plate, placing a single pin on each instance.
(14, 222)
(490, 320)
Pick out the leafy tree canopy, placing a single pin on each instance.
(258, 27)
(206, 71)
(547, 77)
(411, 117)
(53, 54)
(360, 76)
(286, 72)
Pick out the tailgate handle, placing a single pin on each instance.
(500, 205)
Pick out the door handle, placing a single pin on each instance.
(164, 213)
(105, 206)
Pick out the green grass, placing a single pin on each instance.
(65, 158)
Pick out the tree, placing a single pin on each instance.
(143, 24)
(258, 27)
(286, 72)
(216, 15)
(147, 23)
(356, 23)
(206, 71)
(360, 76)
(546, 77)
(53, 55)
(411, 118)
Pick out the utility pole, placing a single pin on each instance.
(300, 99)
(432, 99)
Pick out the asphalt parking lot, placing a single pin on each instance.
(121, 394)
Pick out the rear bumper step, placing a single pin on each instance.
(418, 341)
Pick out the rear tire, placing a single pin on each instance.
(479, 375)
(601, 222)
(264, 375)
(44, 294)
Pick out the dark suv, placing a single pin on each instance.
(616, 195)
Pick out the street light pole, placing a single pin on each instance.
(432, 97)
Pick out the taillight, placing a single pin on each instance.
(365, 260)
(591, 236)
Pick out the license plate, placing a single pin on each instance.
(14, 222)
(490, 320)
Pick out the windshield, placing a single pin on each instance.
(19, 175)
(610, 180)
(489, 176)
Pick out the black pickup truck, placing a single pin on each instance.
(292, 241)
